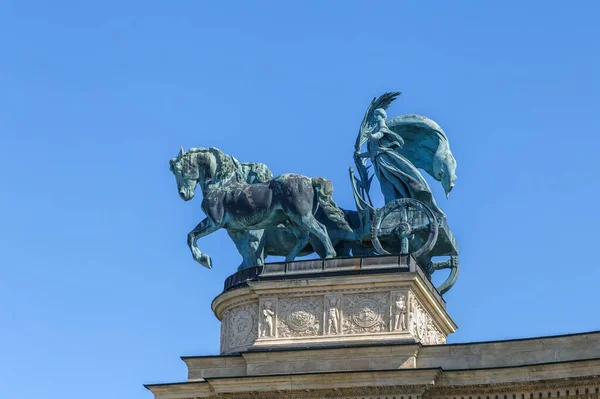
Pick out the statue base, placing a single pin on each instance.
(363, 328)
(331, 303)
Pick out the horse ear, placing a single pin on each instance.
(181, 152)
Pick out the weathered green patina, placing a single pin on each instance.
(398, 148)
(293, 215)
(232, 203)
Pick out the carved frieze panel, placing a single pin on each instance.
(366, 313)
(421, 325)
(299, 317)
(239, 326)
(329, 316)
(434, 336)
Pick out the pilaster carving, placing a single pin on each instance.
(421, 325)
(267, 318)
(333, 315)
(434, 336)
(399, 311)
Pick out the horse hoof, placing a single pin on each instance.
(205, 261)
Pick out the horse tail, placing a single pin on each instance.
(324, 191)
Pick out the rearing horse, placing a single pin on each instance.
(237, 206)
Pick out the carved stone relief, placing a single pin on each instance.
(434, 336)
(333, 315)
(224, 343)
(366, 313)
(266, 325)
(399, 310)
(413, 308)
(421, 325)
(329, 314)
(299, 317)
(239, 326)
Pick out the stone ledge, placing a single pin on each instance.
(452, 357)
(531, 381)
(314, 268)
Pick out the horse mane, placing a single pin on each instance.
(224, 166)
(252, 172)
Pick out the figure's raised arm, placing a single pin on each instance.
(376, 136)
(368, 123)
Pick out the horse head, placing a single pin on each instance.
(186, 173)
(201, 166)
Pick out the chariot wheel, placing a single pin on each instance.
(404, 226)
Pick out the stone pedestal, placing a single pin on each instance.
(329, 303)
(369, 328)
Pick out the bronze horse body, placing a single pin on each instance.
(279, 240)
(245, 209)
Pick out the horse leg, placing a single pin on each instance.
(204, 228)
(258, 246)
(343, 248)
(317, 246)
(250, 245)
(311, 225)
(302, 238)
(360, 250)
(241, 239)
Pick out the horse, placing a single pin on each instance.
(230, 202)
(256, 245)
(279, 240)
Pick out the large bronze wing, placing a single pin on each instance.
(425, 143)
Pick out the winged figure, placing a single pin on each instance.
(398, 148)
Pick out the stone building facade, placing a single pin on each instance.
(370, 332)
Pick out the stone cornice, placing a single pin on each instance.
(584, 376)
(356, 392)
(198, 390)
(512, 387)
(326, 381)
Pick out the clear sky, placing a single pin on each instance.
(98, 292)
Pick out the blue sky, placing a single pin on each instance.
(98, 292)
